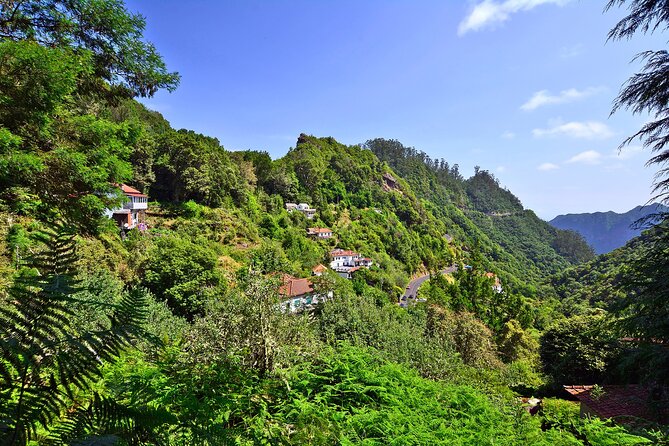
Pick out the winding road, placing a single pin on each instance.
(412, 288)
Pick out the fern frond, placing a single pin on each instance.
(104, 421)
(44, 359)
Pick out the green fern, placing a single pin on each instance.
(103, 422)
(44, 360)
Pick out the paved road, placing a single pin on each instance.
(412, 288)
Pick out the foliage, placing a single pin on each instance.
(190, 166)
(104, 27)
(183, 274)
(572, 246)
(470, 337)
(560, 415)
(643, 312)
(247, 329)
(646, 92)
(578, 350)
(487, 196)
(46, 360)
(516, 344)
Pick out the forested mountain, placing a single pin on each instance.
(485, 215)
(179, 331)
(606, 231)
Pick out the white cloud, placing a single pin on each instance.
(548, 166)
(575, 129)
(589, 157)
(508, 135)
(490, 12)
(501, 168)
(543, 97)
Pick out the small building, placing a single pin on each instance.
(321, 233)
(618, 402)
(347, 273)
(132, 211)
(318, 270)
(343, 258)
(346, 262)
(298, 294)
(497, 285)
(308, 211)
(364, 261)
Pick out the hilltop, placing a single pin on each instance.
(606, 231)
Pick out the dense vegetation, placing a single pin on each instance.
(173, 334)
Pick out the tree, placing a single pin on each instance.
(248, 328)
(183, 274)
(643, 312)
(648, 90)
(578, 350)
(106, 28)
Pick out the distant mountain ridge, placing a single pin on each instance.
(606, 231)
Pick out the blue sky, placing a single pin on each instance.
(522, 88)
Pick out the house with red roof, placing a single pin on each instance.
(320, 233)
(298, 295)
(132, 211)
(318, 270)
(497, 285)
(346, 262)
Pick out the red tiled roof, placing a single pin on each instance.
(616, 401)
(293, 287)
(342, 252)
(319, 269)
(131, 191)
(318, 230)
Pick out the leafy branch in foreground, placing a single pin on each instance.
(45, 361)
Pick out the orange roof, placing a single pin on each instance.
(342, 252)
(131, 191)
(615, 401)
(318, 230)
(293, 287)
(319, 269)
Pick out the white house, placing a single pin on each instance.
(345, 262)
(322, 233)
(302, 207)
(132, 211)
(343, 258)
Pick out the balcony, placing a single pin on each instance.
(136, 203)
